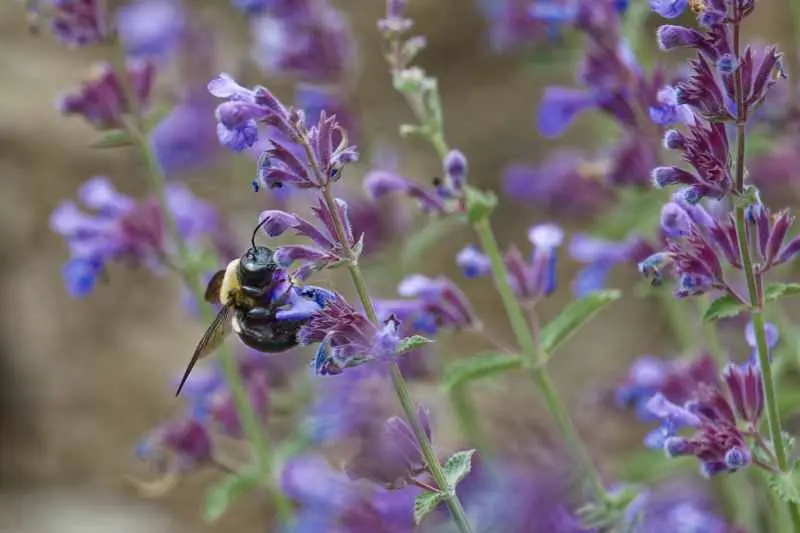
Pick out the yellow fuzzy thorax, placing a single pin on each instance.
(230, 283)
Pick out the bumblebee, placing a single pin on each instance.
(246, 291)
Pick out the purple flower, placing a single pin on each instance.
(559, 107)
(772, 335)
(393, 457)
(434, 303)
(681, 506)
(677, 380)
(669, 8)
(329, 501)
(314, 99)
(668, 111)
(600, 256)
(512, 23)
(313, 45)
(102, 101)
(564, 183)
(697, 256)
(185, 140)
(380, 183)
(327, 250)
(124, 230)
(747, 392)
(347, 338)
(177, 446)
(76, 22)
(718, 443)
(151, 28)
(472, 262)
(771, 236)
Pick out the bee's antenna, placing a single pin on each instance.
(258, 227)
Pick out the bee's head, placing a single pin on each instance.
(256, 266)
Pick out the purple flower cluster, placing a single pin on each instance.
(710, 90)
(444, 197)
(102, 100)
(530, 280)
(74, 22)
(124, 230)
(187, 442)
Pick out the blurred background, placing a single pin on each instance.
(82, 380)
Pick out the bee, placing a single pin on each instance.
(245, 289)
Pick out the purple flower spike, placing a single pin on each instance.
(151, 28)
(747, 393)
(559, 107)
(771, 232)
(669, 9)
(347, 338)
(395, 458)
(472, 262)
(101, 100)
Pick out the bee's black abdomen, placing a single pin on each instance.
(268, 335)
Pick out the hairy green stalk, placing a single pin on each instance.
(400, 386)
(754, 286)
(534, 359)
(192, 277)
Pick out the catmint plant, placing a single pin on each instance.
(669, 194)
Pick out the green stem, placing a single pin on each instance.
(534, 357)
(400, 387)
(192, 277)
(753, 286)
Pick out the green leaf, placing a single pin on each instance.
(113, 139)
(457, 467)
(429, 235)
(478, 366)
(785, 486)
(480, 204)
(725, 306)
(573, 316)
(779, 290)
(425, 503)
(221, 495)
(411, 343)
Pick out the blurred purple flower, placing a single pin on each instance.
(393, 457)
(600, 256)
(380, 222)
(514, 23)
(185, 140)
(564, 183)
(102, 101)
(559, 107)
(75, 22)
(177, 446)
(680, 505)
(151, 28)
(312, 44)
(669, 8)
(445, 197)
(347, 338)
(124, 230)
(314, 99)
(773, 337)
(329, 501)
(677, 380)
(473, 263)
(431, 304)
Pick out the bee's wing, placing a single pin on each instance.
(211, 340)
(214, 286)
